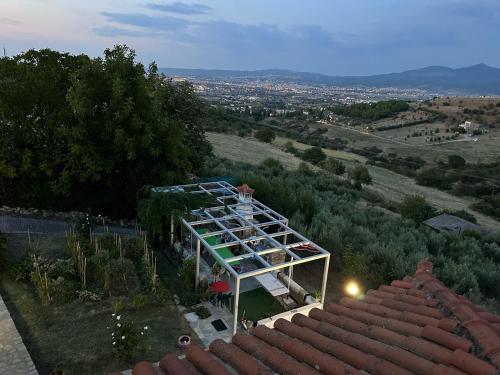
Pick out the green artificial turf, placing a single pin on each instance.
(258, 304)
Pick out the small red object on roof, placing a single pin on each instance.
(245, 189)
(220, 287)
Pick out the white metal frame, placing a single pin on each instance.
(222, 212)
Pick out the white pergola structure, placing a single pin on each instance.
(245, 236)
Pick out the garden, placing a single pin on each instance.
(71, 295)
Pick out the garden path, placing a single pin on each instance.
(14, 357)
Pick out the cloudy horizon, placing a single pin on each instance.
(358, 37)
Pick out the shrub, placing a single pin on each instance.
(360, 175)
(139, 301)
(187, 273)
(120, 276)
(84, 224)
(289, 147)
(333, 166)
(272, 164)
(416, 208)
(162, 295)
(202, 312)
(265, 135)
(126, 336)
(117, 306)
(314, 155)
(304, 168)
(456, 161)
(88, 296)
(316, 294)
(21, 270)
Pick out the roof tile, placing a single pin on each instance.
(322, 362)
(471, 364)
(205, 362)
(444, 338)
(270, 356)
(238, 359)
(172, 365)
(413, 326)
(143, 368)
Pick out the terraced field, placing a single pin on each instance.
(390, 185)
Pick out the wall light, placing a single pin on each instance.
(352, 288)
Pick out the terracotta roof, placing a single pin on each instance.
(245, 189)
(413, 326)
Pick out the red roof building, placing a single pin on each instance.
(413, 326)
(245, 189)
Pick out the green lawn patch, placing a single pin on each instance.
(258, 304)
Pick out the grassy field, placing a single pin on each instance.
(484, 111)
(76, 336)
(342, 155)
(249, 150)
(390, 185)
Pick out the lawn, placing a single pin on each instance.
(258, 304)
(76, 336)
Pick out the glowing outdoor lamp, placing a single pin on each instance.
(352, 288)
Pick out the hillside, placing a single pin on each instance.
(479, 79)
(390, 185)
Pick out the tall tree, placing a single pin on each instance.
(88, 133)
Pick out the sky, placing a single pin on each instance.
(348, 37)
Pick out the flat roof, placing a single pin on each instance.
(242, 233)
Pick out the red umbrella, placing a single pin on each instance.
(220, 287)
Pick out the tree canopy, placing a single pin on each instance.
(372, 111)
(86, 133)
(265, 135)
(314, 155)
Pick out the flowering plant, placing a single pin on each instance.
(126, 336)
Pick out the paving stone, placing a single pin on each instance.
(14, 357)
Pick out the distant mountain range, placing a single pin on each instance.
(479, 79)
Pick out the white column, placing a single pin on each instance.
(236, 304)
(325, 279)
(197, 279)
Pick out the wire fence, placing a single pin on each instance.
(24, 225)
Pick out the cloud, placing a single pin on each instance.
(180, 8)
(155, 23)
(111, 31)
(8, 21)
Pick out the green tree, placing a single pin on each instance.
(456, 161)
(88, 133)
(289, 147)
(314, 155)
(265, 135)
(416, 208)
(361, 175)
(333, 166)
